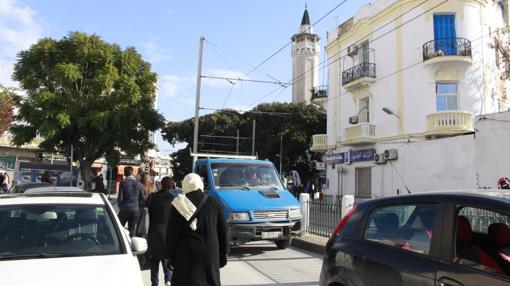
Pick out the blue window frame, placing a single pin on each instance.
(445, 37)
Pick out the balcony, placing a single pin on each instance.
(448, 123)
(359, 75)
(320, 94)
(360, 134)
(319, 143)
(447, 50)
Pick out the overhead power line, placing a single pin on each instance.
(302, 76)
(233, 80)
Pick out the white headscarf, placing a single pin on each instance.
(192, 182)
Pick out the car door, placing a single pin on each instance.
(395, 246)
(484, 267)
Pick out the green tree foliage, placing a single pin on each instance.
(85, 93)
(6, 109)
(302, 121)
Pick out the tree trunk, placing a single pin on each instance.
(86, 174)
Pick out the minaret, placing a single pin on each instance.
(305, 60)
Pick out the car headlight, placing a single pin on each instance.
(294, 213)
(244, 216)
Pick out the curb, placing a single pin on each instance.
(304, 244)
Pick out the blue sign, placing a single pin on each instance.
(362, 155)
(350, 156)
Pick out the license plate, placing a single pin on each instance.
(271, 234)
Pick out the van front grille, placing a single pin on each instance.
(281, 214)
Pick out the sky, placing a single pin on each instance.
(239, 34)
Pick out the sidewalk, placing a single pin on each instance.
(310, 242)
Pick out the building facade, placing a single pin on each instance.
(410, 79)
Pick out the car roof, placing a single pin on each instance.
(82, 198)
(43, 189)
(227, 160)
(480, 195)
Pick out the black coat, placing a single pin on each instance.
(159, 205)
(196, 256)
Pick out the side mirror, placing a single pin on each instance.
(138, 245)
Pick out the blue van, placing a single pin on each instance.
(257, 205)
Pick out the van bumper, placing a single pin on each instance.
(244, 232)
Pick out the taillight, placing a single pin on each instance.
(343, 222)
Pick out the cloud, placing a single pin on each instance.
(20, 27)
(155, 53)
(170, 85)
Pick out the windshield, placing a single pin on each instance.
(245, 176)
(41, 231)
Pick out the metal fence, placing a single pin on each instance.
(323, 217)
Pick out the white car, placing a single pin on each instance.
(65, 238)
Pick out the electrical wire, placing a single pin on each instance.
(303, 75)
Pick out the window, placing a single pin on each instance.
(445, 34)
(364, 110)
(446, 96)
(364, 182)
(408, 227)
(245, 176)
(57, 231)
(483, 240)
(202, 172)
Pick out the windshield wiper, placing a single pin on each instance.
(11, 255)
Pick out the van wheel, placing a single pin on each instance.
(283, 243)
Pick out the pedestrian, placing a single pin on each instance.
(148, 184)
(131, 195)
(100, 188)
(197, 242)
(3, 185)
(159, 205)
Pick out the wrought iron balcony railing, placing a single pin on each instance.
(446, 47)
(320, 92)
(358, 71)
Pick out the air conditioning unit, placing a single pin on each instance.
(379, 158)
(391, 154)
(353, 119)
(352, 50)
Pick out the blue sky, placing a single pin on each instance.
(167, 34)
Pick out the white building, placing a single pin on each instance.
(412, 78)
(305, 60)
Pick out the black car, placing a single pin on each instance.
(443, 239)
(25, 186)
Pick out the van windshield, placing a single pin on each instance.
(245, 176)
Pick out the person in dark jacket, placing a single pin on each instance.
(197, 242)
(129, 199)
(160, 205)
(100, 188)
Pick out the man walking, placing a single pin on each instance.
(129, 200)
(159, 205)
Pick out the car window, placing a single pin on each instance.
(408, 227)
(483, 239)
(202, 172)
(56, 230)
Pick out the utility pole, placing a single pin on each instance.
(197, 101)
(281, 149)
(237, 142)
(253, 139)
(71, 165)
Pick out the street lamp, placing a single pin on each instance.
(390, 112)
(281, 149)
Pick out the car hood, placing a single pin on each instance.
(121, 269)
(257, 199)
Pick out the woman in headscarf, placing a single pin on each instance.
(197, 242)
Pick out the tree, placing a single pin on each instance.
(6, 109)
(84, 93)
(302, 121)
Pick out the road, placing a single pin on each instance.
(261, 263)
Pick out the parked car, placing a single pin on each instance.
(447, 239)
(25, 186)
(63, 238)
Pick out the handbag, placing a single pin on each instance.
(142, 227)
